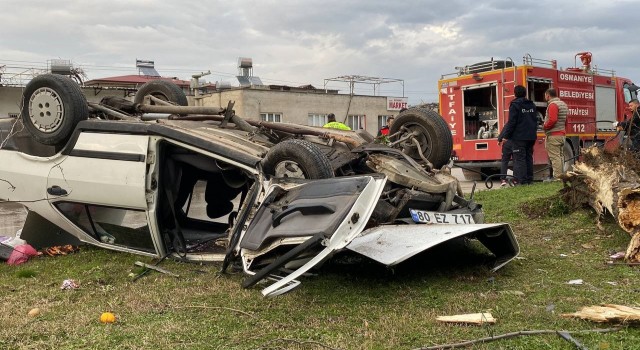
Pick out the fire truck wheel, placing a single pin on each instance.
(52, 106)
(569, 161)
(431, 132)
(162, 89)
(297, 159)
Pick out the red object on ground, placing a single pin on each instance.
(21, 254)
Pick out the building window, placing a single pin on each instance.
(271, 117)
(382, 120)
(356, 122)
(317, 119)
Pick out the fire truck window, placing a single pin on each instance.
(627, 95)
(480, 113)
(630, 92)
(536, 91)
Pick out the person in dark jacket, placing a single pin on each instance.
(521, 129)
(631, 127)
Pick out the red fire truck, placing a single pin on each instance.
(475, 100)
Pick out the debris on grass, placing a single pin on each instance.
(550, 207)
(156, 268)
(478, 318)
(617, 256)
(60, 250)
(512, 292)
(607, 313)
(576, 282)
(19, 254)
(69, 284)
(35, 312)
(563, 334)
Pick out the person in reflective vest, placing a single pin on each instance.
(332, 123)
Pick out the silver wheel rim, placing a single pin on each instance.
(290, 169)
(46, 110)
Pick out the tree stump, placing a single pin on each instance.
(609, 183)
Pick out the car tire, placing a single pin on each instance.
(162, 89)
(434, 135)
(52, 106)
(297, 158)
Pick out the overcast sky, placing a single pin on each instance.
(304, 42)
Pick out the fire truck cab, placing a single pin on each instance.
(474, 101)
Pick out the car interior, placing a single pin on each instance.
(199, 198)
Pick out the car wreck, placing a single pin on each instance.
(202, 184)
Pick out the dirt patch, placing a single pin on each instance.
(552, 206)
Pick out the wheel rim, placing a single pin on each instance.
(422, 136)
(46, 110)
(290, 169)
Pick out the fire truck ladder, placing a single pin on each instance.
(504, 84)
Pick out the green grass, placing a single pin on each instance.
(347, 306)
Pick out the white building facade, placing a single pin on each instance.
(307, 108)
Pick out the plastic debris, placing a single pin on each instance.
(576, 282)
(617, 256)
(69, 284)
(21, 254)
(13, 241)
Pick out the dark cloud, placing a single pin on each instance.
(307, 41)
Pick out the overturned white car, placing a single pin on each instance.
(202, 184)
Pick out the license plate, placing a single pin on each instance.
(430, 217)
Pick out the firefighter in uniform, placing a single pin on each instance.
(332, 123)
(554, 129)
(631, 127)
(521, 129)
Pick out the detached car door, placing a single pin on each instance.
(100, 190)
(322, 215)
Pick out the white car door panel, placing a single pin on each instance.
(100, 187)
